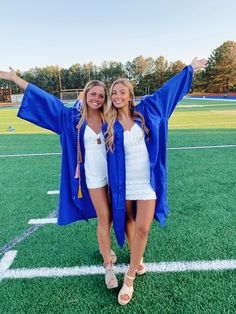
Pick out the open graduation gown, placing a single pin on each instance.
(48, 112)
(156, 110)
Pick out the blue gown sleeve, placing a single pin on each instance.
(162, 103)
(43, 109)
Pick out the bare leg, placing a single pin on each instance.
(144, 218)
(130, 228)
(100, 201)
(129, 222)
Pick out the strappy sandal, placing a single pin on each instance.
(125, 290)
(113, 257)
(110, 277)
(144, 268)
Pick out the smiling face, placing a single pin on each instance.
(95, 97)
(120, 96)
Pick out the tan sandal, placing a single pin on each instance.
(144, 268)
(110, 277)
(125, 290)
(113, 257)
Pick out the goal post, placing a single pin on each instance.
(71, 95)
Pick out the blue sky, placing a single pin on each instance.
(65, 32)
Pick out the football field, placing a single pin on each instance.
(45, 268)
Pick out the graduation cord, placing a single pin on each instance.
(79, 160)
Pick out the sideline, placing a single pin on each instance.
(170, 148)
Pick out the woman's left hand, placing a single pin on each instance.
(198, 64)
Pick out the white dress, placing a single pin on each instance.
(95, 159)
(137, 166)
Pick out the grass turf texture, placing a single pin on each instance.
(156, 293)
(200, 226)
(213, 115)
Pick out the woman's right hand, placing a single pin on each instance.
(10, 75)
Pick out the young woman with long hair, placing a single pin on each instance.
(136, 138)
(83, 185)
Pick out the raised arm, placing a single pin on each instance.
(12, 76)
(163, 101)
(38, 106)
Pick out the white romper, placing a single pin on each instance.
(137, 166)
(95, 159)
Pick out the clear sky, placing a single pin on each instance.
(65, 32)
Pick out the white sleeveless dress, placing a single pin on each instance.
(95, 163)
(137, 166)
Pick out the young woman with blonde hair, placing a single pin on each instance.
(136, 140)
(83, 186)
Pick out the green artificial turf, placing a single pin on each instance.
(200, 226)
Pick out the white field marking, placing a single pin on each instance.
(22, 273)
(42, 221)
(52, 192)
(29, 132)
(201, 147)
(6, 262)
(202, 124)
(51, 154)
(7, 247)
(190, 114)
(30, 155)
(213, 99)
(11, 122)
(190, 106)
(193, 114)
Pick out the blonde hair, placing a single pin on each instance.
(111, 113)
(83, 117)
(83, 107)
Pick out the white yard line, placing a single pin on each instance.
(30, 155)
(213, 99)
(6, 262)
(201, 147)
(201, 124)
(7, 247)
(170, 148)
(52, 192)
(22, 273)
(42, 221)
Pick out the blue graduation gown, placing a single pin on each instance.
(48, 112)
(156, 110)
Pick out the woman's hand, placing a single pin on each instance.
(12, 76)
(198, 64)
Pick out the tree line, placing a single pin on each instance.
(146, 74)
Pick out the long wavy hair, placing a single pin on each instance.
(83, 106)
(83, 117)
(111, 113)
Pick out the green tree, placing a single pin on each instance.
(47, 78)
(75, 76)
(161, 70)
(175, 67)
(221, 70)
(141, 70)
(111, 71)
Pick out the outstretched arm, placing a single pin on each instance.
(38, 106)
(163, 101)
(12, 76)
